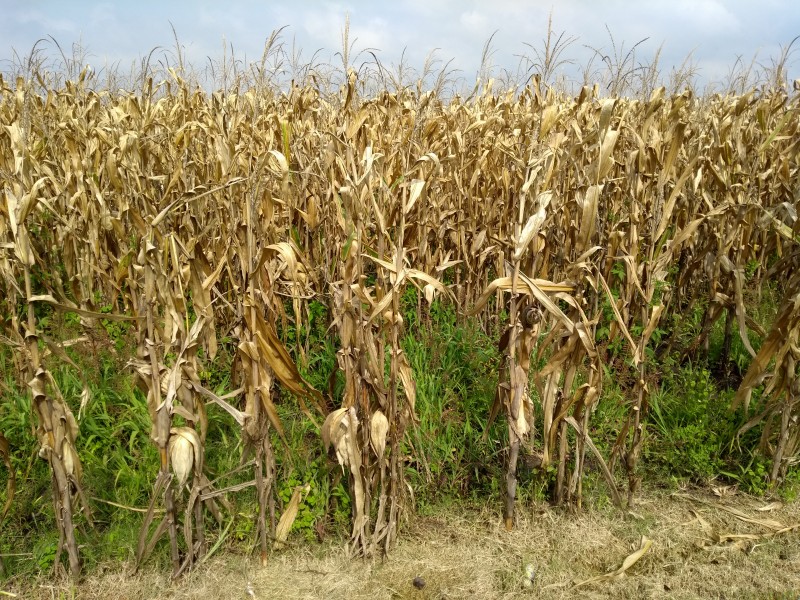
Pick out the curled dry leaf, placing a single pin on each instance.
(69, 457)
(378, 428)
(335, 432)
(289, 515)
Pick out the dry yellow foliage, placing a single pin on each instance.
(200, 215)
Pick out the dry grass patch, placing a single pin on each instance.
(699, 550)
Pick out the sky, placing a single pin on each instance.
(714, 32)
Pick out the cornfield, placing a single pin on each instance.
(206, 219)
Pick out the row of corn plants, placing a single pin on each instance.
(581, 224)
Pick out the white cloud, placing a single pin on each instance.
(709, 17)
(46, 25)
(374, 34)
(102, 15)
(324, 26)
(474, 21)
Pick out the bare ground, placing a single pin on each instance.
(704, 545)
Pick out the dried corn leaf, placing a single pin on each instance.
(378, 428)
(535, 288)
(289, 515)
(620, 321)
(11, 481)
(626, 564)
(47, 298)
(534, 223)
(278, 358)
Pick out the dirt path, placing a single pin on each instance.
(703, 546)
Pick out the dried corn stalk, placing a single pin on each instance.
(225, 215)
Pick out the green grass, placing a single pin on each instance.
(690, 436)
